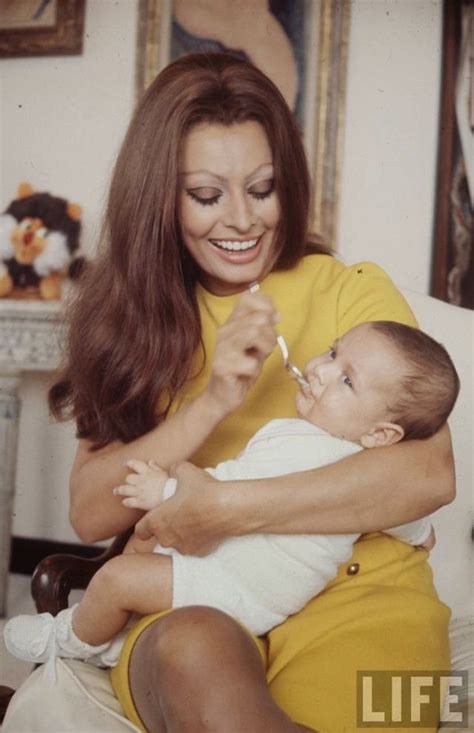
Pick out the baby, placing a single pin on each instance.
(380, 383)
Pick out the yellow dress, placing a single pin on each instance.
(381, 612)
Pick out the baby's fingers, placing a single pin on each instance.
(126, 490)
(137, 466)
(133, 503)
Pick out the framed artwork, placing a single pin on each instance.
(300, 44)
(452, 276)
(41, 27)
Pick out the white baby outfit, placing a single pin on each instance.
(262, 579)
(258, 579)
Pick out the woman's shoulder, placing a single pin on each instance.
(328, 273)
(330, 266)
(358, 292)
(326, 276)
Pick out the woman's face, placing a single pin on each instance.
(229, 211)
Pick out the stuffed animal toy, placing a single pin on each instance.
(39, 239)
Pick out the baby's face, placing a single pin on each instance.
(350, 386)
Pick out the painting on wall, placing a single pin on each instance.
(453, 252)
(41, 27)
(300, 44)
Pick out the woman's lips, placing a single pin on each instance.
(237, 250)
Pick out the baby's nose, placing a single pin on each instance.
(319, 373)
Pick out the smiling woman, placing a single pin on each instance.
(229, 209)
(169, 361)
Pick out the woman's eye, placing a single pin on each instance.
(204, 196)
(347, 380)
(263, 189)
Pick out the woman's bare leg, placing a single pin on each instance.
(138, 583)
(196, 670)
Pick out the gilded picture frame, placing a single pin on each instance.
(326, 31)
(41, 28)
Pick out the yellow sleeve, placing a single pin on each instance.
(368, 294)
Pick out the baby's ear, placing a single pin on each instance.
(382, 434)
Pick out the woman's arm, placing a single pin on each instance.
(369, 491)
(243, 344)
(95, 512)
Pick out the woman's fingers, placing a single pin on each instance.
(251, 303)
(243, 337)
(190, 520)
(243, 344)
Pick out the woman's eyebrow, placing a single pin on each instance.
(222, 179)
(260, 169)
(202, 171)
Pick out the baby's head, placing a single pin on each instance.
(381, 382)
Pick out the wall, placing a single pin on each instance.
(62, 121)
(390, 144)
(63, 118)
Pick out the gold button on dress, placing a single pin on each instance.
(353, 569)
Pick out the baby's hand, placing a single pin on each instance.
(144, 487)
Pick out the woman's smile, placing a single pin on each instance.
(238, 251)
(235, 245)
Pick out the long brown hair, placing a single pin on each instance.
(135, 324)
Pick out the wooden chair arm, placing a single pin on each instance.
(56, 575)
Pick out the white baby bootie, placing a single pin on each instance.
(39, 638)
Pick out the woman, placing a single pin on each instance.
(169, 361)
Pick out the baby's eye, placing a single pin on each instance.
(347, 380)
(206, 196)
(332, 353)
(25, 225)
(262, 189)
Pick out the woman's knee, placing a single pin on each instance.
(190, 632)
(196, 637)
(199, 663)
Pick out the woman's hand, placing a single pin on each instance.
(243, 344)
(192, 520)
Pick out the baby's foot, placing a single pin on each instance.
(37, 638)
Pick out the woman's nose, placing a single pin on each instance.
(239, 214)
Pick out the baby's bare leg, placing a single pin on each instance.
(131, 583)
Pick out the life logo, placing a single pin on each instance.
(411, 699)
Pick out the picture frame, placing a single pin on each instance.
(39, 28)
(326, 32)
(452, 267)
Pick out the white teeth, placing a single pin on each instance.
(233, 246)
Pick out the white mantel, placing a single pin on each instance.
(30, 340)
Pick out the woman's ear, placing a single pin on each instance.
(382, 434)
